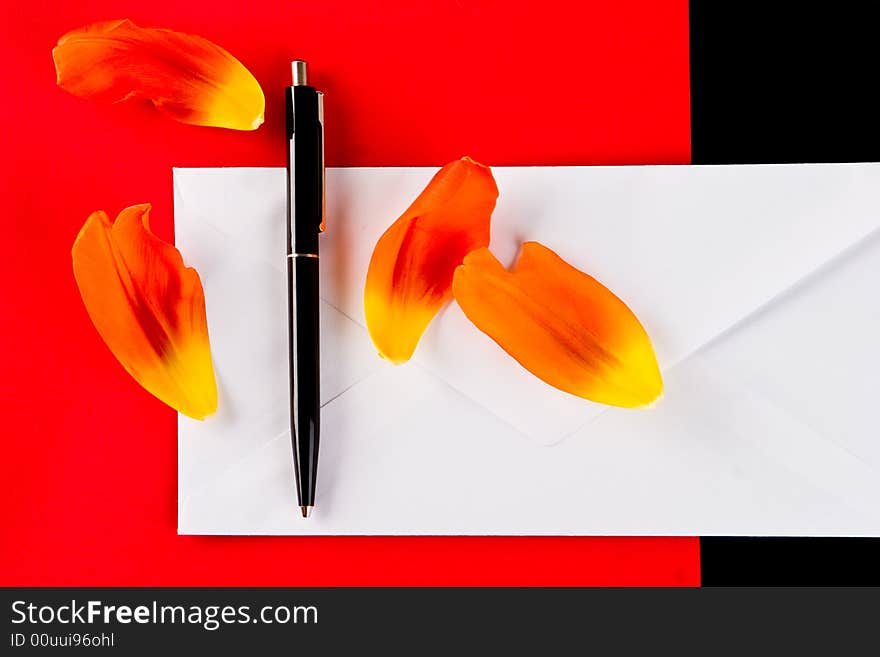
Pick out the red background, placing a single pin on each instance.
(88, 469)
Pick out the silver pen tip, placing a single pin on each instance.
(300, 73)
(306, 511)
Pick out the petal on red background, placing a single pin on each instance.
(148, 307)
(185, 76)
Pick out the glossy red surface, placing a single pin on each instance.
(88, 470)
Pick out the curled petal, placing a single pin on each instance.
(562, 325)
(185, 76)
(148, 307)
(410, 273)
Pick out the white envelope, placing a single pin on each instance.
(758, 285)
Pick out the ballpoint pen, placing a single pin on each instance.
(305, 220)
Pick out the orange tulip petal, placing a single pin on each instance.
(562, 325)
(410, 273)
(185, 76)
(148, 307)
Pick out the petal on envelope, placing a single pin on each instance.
(410, 273)
(148, 307)
(185, 76)
(562, 325)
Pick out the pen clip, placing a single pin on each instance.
(322, 225)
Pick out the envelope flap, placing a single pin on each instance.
(692, 250)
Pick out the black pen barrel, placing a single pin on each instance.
(305, 178)
(304, 349)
